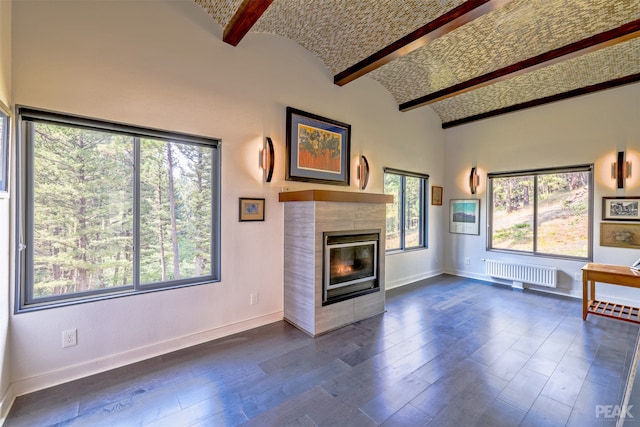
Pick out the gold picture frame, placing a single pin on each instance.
(436, 195)
(251, 209)
(620, 235)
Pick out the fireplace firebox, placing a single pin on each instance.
(350, 264)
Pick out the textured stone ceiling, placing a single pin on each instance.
(343, 32)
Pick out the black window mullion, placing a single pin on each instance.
(136, 213)
(215, 213)
(29, 209)
(403, 214)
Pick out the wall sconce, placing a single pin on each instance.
(363, 172)
(267, 160)
(474, 180)
(620, 170)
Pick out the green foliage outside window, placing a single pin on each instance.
(94, 195)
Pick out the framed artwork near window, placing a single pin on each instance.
(621, 208)
(251, 209)
(464, 216)
(436, 195)
(620, 235)
(318, 149)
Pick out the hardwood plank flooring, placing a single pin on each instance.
(449, 351)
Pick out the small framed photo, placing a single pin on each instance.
(464, 217)
(620, 208)
(436, 195)
(251, 209)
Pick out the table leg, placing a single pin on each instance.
(585, 296)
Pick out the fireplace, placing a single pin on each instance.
(313, 218)
(350, 264)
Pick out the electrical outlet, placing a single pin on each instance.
(467, 261)
(253, 299)
(577, 276)
(69, 338)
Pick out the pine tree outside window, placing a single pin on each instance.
(109, 209)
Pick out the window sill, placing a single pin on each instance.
(542, 255)
(404, 251)
(33, 307)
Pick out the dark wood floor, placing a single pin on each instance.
(448, 352)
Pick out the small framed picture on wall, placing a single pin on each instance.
(251, 209)
(436, 195)
(464, 217)
(621, 208)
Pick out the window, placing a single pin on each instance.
(543, 212)
(111, 209)
(406, 216)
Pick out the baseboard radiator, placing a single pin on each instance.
(522, 273)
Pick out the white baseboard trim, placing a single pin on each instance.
(410, 279)
(113, 361)
(470, 275)
(6, 403)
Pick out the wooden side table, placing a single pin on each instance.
(613, 274)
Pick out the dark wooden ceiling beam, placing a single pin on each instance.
(245, 17)
(444, 24)
(602, 40)
(633, 78)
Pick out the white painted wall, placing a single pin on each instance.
(162, 64)
(587, 129)
(5, 97)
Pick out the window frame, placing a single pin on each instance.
(26, 117)
(424, 233)
(535, 173)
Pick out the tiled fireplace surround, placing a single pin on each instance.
(307, 215)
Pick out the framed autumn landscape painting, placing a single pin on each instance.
(318, 149)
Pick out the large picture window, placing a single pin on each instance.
(406, 216)
(113, 209)
(543, 212)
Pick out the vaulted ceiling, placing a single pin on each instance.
(467, 60)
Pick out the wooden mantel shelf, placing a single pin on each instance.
(334, 196)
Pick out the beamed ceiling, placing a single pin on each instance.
(467, 60)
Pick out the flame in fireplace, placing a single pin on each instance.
(343, 269)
